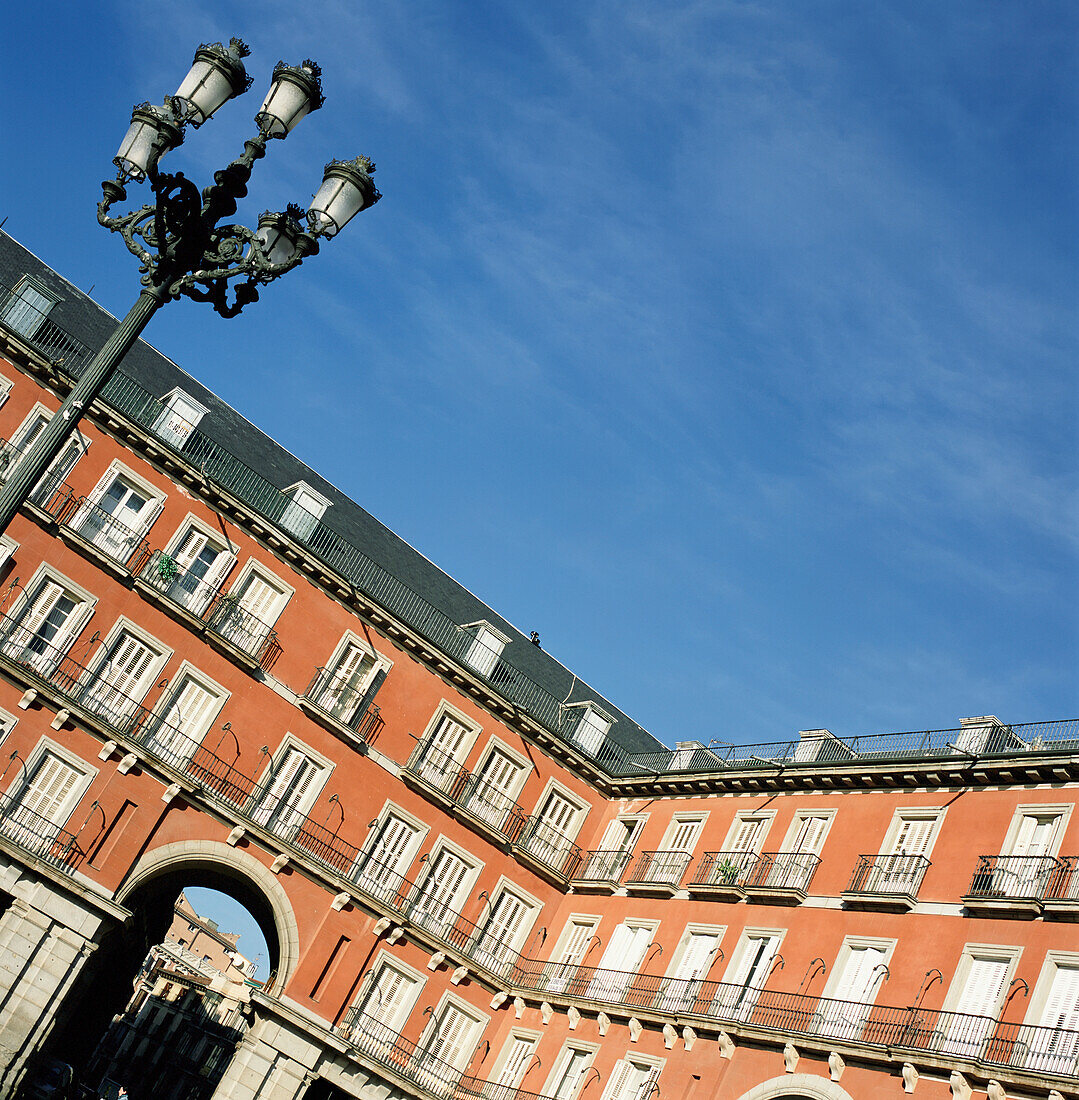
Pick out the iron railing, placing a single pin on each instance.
(723, 869)
(1013, 878)
(601, 866)
(549, 846)
(485, 802)
(180, 586)
(229, 619)
(335, 697)
(92, 522)
(1063, 884)
(659, 869)
(37, 834)
(792, 871)
(883, 875)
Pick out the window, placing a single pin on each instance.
(388, 853)
(289, 790)
(27, 307)
(447, 1044)
(794, 865)
(7, 724)
(445, 746)
(122, 676)
(387, 1000)
(508, 920)
(567, 1076)
(5, 388)
(118, 512)
(442, 888)
(193, 568)
(591, 730)
(633, 1078)
(1054, 1009)
(669, 864)
(857, 974)
(487, 645)
(194, 701)
(551, 831)
(975, 997)
(747, 832)
(44, 795)
(607, 863)
(342, 689)
(1026, 861)
(747, 974)
(46, 624)
(303, 510)
(515, 1058)
(569, 952)
(495, 785)
(622, 958)
(905, 851)
(27, 435)
(178, 418)
(246, 615)
(689, 968)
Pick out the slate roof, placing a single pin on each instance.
(79, 316)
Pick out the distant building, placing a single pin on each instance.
(478, 878)
(186, 1015)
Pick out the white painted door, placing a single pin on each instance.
(286, 797)
(343, 689)
(199, 568)
(386, 1004)
(492, 787)
(45, 801)
(518, 1054)
(497, 942)
(45, 629)
(681, 991)
(122, 679)
(972, 1017)
(897, 872)
(548, 835)
(438, 895)
(571, 1068)
(1055, 1047)
(742, 985)
(844, 1011)
(445, 749)
(1023, 872)
(449, 1045)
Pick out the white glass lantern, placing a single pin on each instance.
(217, 74)
(347, 188)
(279, 234)
(296, 91)
(152, 133)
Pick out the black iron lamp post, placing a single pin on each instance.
(181, 246)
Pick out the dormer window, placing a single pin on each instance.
(179, 417)
(26, 309)
(487, 645)
(591, 730)
(304, 509)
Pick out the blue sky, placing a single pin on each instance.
(731, 346)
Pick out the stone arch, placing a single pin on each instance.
(797, 1086)
(215, 864)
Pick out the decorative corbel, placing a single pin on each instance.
(170, 792)
(959, 1085)
(910, 1077)
(573, 1016)
(670, 1036)
(62, 715)
(689, 1037)
(790, 1057)
(278, 863)
(498, 1000)
(380, 926)
(546, 1012)
(836, 1065)
(395, 935)
(459, 975)
(994, 1090)
(340, 901)
(234, 837)
(106, 750)
(635, 1029)
(436, 960)
(518, 1007)
(603, 1021)
(30, 695)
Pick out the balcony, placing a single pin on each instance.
(599, 871)
(38, 835)
(658, 874)
(886, 882)
(781, 878)
(471, 798)
(111, 538)
(721, 875)
(327, 698)
(547, 851)
(1061, 894)
(1011, 885)
(232, 622)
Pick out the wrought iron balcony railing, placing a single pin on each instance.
(1012, 878)
(659, 869)
(229, 619)
(888, 875)
(179, 586)
(1063, 884)
(38, 835)
(97, 526)
(549, 846)
(785, 872)
(722, 871)
(601, 866)
(337, 698)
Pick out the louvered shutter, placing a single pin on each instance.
(494, 785)
(515, 1062)
(39, 608)
(619, 1080)
(450, 1041)
(809, 835)
(259, 599)
(437, 894)
(123, 678)
(1055, 1049)
(191, 545)
(501, 932)
(25, 312)
(620, 962)
(700, 947)
(283, 798)
(575, 943)
(372, 690)
(746, 835)
(646, 1084)
(742, 985)
(219, 570)
(47, 797)
(387, 1001)
(341, 695)
(449, 737)
(980, 998)
(186, 718)
(386, 859)
(913, 836)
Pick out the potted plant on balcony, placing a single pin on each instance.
(727, 872)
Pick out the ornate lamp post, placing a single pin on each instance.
(181, 246)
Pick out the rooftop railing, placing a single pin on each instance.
(49, 339)
(222, 466)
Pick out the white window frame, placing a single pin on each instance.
(324, 763)
(901, 815)
(748, 940)
(561, 1064)
(123, 625)
(765, 816)
(305, 509)
(581, 807)
(1009, 953)
(526, 767)
(81, 614)
(18, 439)
(700, 819)
(8, 722)
(6, 386)
(1060, 810)
(254, 566)
(1039, 1000)
(560, 973)
(533, 906)
(481, 1019)
(418, 824)
(189, 672)
(174, 397)
(8, 548)
(488, 643)
(192, 524)
(21, 780)
(468, 883)
(800, 816)
(589, 710)
(385, 958)
(380, 662)
(446, 709)
(652, 1065)
(15, 299)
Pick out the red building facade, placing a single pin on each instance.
(476, 875)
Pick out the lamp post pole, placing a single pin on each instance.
(179, 241)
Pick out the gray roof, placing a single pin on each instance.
(79, 316)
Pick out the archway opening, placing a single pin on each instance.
(163, 1002)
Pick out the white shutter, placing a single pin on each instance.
(438, 893)
(500, 933)
(390, 850)
(619, 1080)
(187, 717)
(913, 836)
(388, 999)
(285, 794)
(558, 813)
(341, 694)
(189, 548)
(983, 987)
(620, 836)
(682, 836)
(1035, 835)
(122, 679)
(40, 607)
(48, 794)
(576, 942)
(574, 1064)
(809, 835)
(219, 570)
(697, 956)
(746, 835)
(515, 1061)
(449, 737)
(259, 599)
(1055, 1049)
(452, 1033)
(856, 980)
(742, 984)
(499, 772)
(1062, 1005)
(620, 962)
